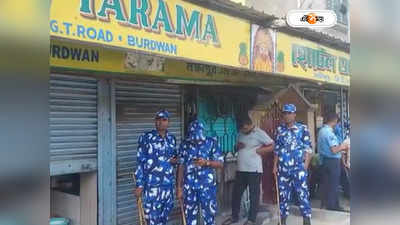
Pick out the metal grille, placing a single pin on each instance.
(221, 126)
(136, 104)
(73, 120)
(344, 112)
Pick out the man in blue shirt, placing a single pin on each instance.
(292, 146)
(200, 156)
(156, 156)
(330, 151)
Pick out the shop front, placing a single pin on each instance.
(114, 64)
(319, 78)
(329, 69)
(125, 106)
(112, 68)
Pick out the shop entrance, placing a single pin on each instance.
(136, 103)
(267, 115)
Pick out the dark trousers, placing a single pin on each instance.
(345, 181)
(242, 180)
(331, 170)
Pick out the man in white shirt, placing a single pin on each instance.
(252, 144)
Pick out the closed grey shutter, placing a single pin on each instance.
(73, 124)
(136, 104)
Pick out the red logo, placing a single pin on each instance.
(312, 18)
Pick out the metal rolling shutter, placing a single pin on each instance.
(136, 104)
(73, 124)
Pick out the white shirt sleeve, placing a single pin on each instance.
(263, 137)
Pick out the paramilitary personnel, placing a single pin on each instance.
(156, 157)
(292, 146)
(200, 156)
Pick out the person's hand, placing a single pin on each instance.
(200, 162)
(346, 163)
(346, 147)
(138, 192)
(239, 145)
(259, 151)
(179, 193)
(275, 170)
(173, 160)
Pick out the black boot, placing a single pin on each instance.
(306, 221)
(283, 221)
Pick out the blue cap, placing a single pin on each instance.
(196, 131)
(162, 114)
(289, 108)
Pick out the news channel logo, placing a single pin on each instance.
(311, 18)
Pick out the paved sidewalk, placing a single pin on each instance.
(268, 216)
(320, 217)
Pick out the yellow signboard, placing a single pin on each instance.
(170, 28)
(85, 58)
(305, 59)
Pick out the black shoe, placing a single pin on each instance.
(230, 221)
(340, 209)
(283, 221)
(306, 221)
(234, 220)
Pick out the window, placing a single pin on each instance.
(341, 8)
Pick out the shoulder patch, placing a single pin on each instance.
(171, 136)
(148, 134)
(302, 125)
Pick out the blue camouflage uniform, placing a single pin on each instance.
(155, 173)
(290, 146)
(199, 185)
